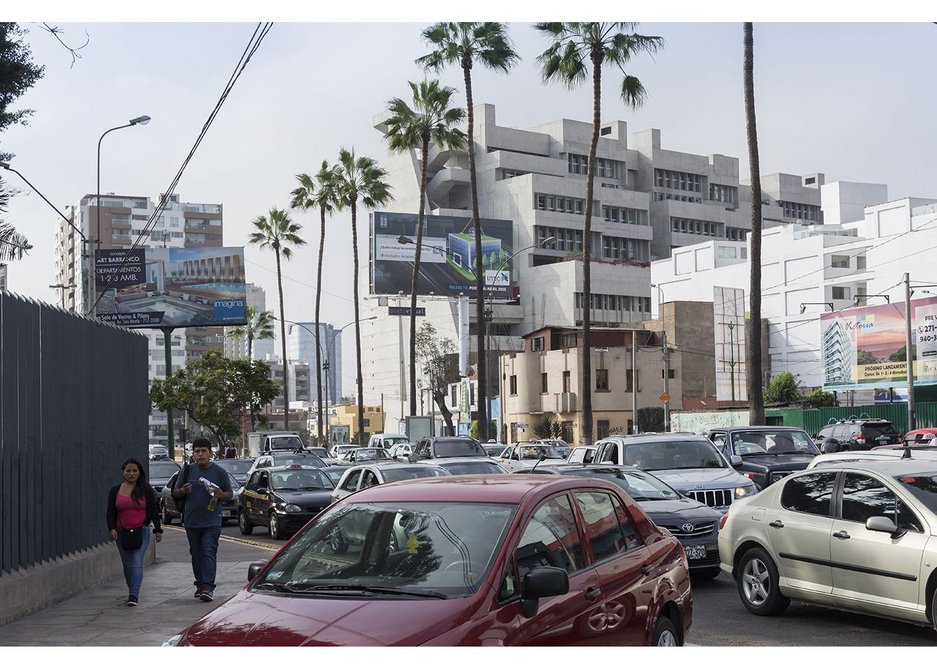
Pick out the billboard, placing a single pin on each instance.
(171, 287)
(865, 347)
(447, 258)
(731, 352)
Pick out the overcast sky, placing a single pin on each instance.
(854, 101)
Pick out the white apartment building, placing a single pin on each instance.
(301, 346)
(236, 346)
(648, 201)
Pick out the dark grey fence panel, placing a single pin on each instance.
(73, 407)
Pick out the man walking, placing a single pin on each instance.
(205, 484)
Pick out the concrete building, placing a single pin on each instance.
(236, 346)
(301, 347)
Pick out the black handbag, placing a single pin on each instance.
(180, 503)
(131, 539)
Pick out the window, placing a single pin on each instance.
(860, 262)
(569, 340)
(628, 381)
(369, 479)
(351, 483)
(608, 525)
(512, 382)
(601, 380)
(566, 381)
(453, 400)
(603, 428)
(865, 497)
(809, 493)
(839, 261)
(536, 343)
(543, 383)
(551, 539)
(840, 292)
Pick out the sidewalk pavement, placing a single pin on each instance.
(100, 617)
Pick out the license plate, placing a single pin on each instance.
(226, 513)
(694, 552)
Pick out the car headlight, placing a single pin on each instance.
(292, 508)
(173, 642)
(747, 490)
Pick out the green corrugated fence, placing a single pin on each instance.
(812, 420)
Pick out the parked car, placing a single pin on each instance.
(529, 454)
(387, 441)
(694, 524)
(401, 451)
(582, 454)
(470, 466)
(238, 468)
(335, 472)
(493, 449)
(158, 473)
(340, 451)
(438, 447)
(861, 536)
(158, 452)
(917, 438)
(768, 453)
(283, 499)
(687, 462)
(561, 446)
(361, 455)
(285, 458)
(368, 475)
(876, 454)
(323, 454)
(520, 560)
(857, 434)
(167, 505)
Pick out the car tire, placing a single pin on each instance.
(276, 532)
(166, 517)
(757, 580)
(665, 633)
(705, 574)
(245, 524)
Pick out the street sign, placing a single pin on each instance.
(405, 310)
(665, 398)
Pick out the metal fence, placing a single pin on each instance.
(73, 406)
(813, 420)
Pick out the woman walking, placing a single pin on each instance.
(131, 506)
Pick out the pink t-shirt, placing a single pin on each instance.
(130, 514)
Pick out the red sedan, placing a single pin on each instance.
(466, 560)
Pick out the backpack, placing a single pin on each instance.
(180, 503)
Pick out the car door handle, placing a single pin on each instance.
(647, 568)
(592, 593)
(841, 535)
(777, 524)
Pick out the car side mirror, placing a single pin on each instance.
(885, 525)
(254, 568)
(542, 582)
(735, 460)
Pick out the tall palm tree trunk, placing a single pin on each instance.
(286, 366)
(482, 392)
(354, 246)
(318, 347)
(756, 400)
(424, 154)
(250, 356)
(587, 253)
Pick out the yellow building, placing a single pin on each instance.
(344, 423)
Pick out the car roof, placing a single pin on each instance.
(650, 438)
(866, 456)
(291, 467)
(455, 460)
(890, 467)
(496, 488)
(759, 427)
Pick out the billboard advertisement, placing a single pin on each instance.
(171, 287)
(864, 348)
(447, 258)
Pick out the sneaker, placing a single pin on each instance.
(206, 595)
(132, 600)
(198, 592)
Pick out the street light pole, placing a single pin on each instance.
(908, 351)
(139, 120)
(660, 314)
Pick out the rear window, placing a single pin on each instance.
(876, 429)
(682, 454)
(457, 448)
(412, 473)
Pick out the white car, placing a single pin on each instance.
(527, 455)
(860, 535)
(369, 475)
(884, 455)
(582, 454)
(401, 451)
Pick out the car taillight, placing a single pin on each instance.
(722, 522)
(860, 439)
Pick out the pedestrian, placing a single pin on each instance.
(202, 514)
(131, 507)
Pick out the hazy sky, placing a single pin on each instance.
(853, 101)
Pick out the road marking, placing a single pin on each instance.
(234, 539)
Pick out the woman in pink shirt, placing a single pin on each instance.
(131, 507)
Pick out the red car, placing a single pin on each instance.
(466, 560)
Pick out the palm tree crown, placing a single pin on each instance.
(277, 232)
(258, 327)
(430, 120)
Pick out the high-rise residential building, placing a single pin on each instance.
(118, 223)
(260, 349)
(301, 347)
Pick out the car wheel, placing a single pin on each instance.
(276, 532)
(166, 517)
(704, 574)
(757, 581)
(665, 634)
(244, 523)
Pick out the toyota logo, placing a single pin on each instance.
(687, 528)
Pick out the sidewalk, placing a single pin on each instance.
(100, 617)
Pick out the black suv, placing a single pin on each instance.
(768, 453)
(857, 434)
(437, 447)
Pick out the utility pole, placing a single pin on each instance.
(909, 355)
(634, 380)
(666, 380)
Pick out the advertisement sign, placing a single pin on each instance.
(447, 257)
(865, 348)
(172, 287)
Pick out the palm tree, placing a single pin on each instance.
(320, 193)
(430, 119)
(260, 327)
(462, 43)
(13, 245)
(279, 233)
(575, 46)
(756, 399)
(359, 177)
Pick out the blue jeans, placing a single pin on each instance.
(133, 563)
(203, 547)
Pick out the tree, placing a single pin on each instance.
(819, 399)
(258, 327)
(575, 47)
(320, 193)
(756, 399)
(279, 233)
(430, 120)
(439, 360)
(783, 389)
(359, 177)
(865, 357)
(545, 427)
(463, 43)
(216, 392)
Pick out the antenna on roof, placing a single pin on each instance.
(907, 450)
(542, 457)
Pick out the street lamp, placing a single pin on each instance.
(139, 120)
(663, 330)
(63, 288)
(855, 300)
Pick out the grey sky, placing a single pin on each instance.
(848, 100)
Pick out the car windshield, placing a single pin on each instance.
(319, 452)
(922, 486)
(235, 465)
(472, 468)
(335, 474)
(285, 443)
(300, 480)
(534, 452)
(457, 448)
(638, 486)
(160, 469)
(365, 550)
(412, 473)
(760, 442)
(655, 456)
(306, 459)
(370, 454)
(394, 440)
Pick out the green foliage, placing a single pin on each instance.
(901, 355)
(18, 73)
(783, 389)
(545, 427)
(819, 399)
(865, 357)
(216, 392)
(474, 431)
(651, 418)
